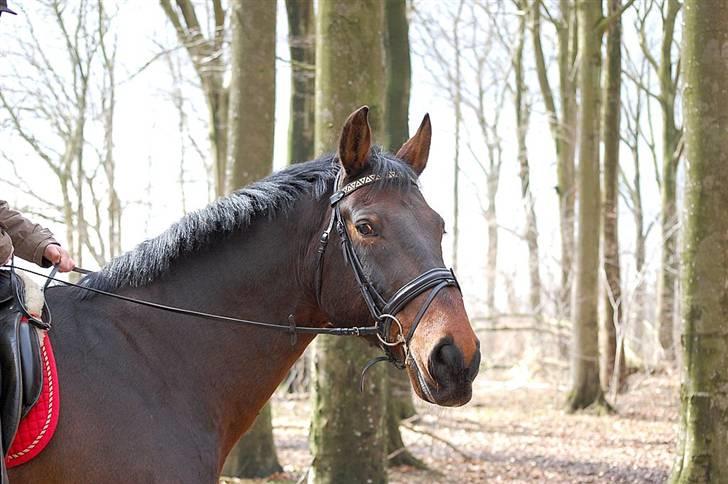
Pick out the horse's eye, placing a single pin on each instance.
(364, 229)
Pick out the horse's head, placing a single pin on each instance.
(396, 237)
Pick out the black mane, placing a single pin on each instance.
(269, 197)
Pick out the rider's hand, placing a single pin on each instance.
(60, 257)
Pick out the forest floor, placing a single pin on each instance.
(516, 431)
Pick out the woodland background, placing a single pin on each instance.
(557, 162)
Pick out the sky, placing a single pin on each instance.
(149, 146)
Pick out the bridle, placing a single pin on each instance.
(382, 310)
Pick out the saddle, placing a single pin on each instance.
(20, 354)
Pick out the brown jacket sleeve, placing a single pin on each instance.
(30, 240)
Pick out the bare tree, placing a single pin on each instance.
(474, 73)
(49, 102)
(667, 68)
(523, 112)
(561, 111)
(302, 47)
(613, 364)
(206, 51)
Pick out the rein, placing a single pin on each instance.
(288, 328)
(383, 311)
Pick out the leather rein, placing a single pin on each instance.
(383, 311)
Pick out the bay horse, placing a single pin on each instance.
(151, 396)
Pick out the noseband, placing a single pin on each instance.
(382, 310)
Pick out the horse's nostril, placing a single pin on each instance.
(449, 355)
(446, 360)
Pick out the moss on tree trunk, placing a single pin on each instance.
(348, 432)
(703, 441)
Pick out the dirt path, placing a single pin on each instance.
(518, 433)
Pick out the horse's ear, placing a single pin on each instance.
(355, 142)
(416, 150)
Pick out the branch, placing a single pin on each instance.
(406, 424)
(607, 22)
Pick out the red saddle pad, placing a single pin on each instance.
(37, 428)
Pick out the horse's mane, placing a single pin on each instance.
(269, 197)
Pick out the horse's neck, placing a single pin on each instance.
(232, 369)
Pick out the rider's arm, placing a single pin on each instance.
(29, 240)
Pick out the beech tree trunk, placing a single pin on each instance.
(251, 123)
(562, 124)
(207, 57)
(671, 134)
(397, 55)
(585, 386)
(255, 454)
(252, 90)
(302, 46)
(703, 439)
(612, 354)
(348, 431)
(522, 119)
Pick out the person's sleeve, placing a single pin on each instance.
(6, 246)
(30, 240)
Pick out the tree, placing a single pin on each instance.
(302, 45)
(612, 354)
(668, 73)
(703, 441)
(586, 389)
(252, 90)
(398, 69)
(56, 84)
(561, 111)
(208, 58)
(637, 132)
(522, 117)
(251, 125)
(255, 453)
(347, 429)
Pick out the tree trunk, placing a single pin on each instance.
(586, 389)
(457, 105)
(209, 62)
(491, 258)
(251, 124)
(522, 118)
(254, 455)
(252, 90)
(668, 217)
(397, 56)
(563, 131)
(612, 354)
(638, 300)
(703, 441)
(348, 429)
(397, 48)
(302, 45)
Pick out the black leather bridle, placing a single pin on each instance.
(382, 310)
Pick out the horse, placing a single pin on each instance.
(153, 396)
